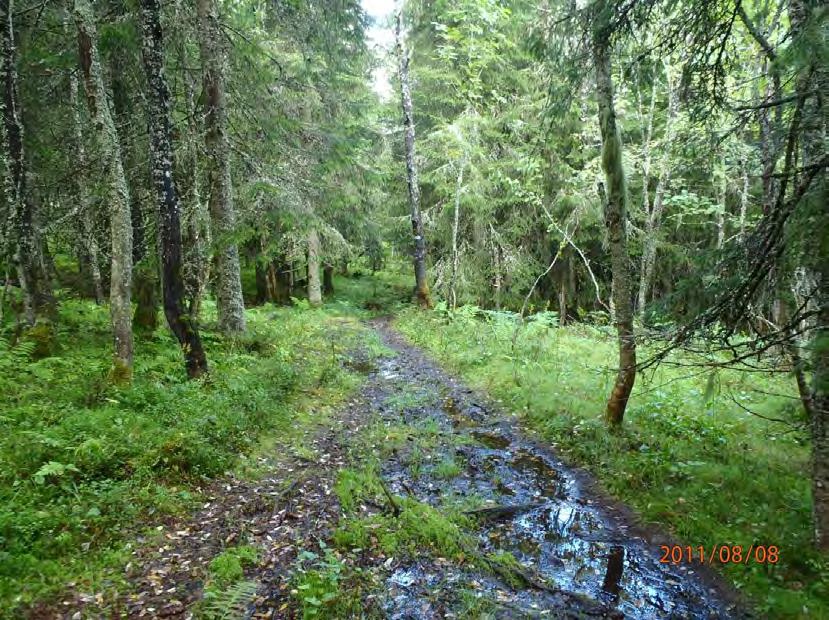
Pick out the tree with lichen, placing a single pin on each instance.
(615, 212)
(229, 300)
(118, 192)
(169, 222)
(22, 245)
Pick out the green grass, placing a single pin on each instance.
(418, 528)
(687, 457)
(85, 464)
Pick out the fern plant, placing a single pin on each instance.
(230, 603)
(13, 356)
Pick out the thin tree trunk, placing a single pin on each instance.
(722, 195)
(196, 226)
(88, 239)
(653, 218)
(34, 281)
(562, 296)
(314, 288)
(453, 281)
(231, 305)
(169, 225)
(118, 197)
(615, 216)
(744, 194)
(496, 265)
(421, 286)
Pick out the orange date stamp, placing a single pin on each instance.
(724, 554)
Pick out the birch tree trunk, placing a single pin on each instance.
(421, 286)
(118, 195)
(24, 251)
(229, 300)
(169, 224)
(615, 215)
(314, 288)
(653, 219)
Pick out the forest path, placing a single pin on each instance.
(542, 543)
(582, 555)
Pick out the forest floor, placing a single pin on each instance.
(418, 498)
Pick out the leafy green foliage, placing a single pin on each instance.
(327, 586)
(85, 462)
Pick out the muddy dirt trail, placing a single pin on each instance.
(586, 555)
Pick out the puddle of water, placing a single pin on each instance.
(491, 440)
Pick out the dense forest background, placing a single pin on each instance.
(654, 171)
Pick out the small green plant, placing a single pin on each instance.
(356, 485)
(325, 586)
(230, 603)
(447, 469)
(229, 566)
(418, 528)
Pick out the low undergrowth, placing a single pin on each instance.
(85, 464)
(689, 456)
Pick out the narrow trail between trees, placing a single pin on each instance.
(584, 555)
(579, 554)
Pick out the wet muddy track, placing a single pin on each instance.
(597, 561)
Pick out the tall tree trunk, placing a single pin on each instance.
(231, 305)
(744, 195)
(456, 220)
(615, 216)
(169, 225)
(497, 280)
(421, 286)
(722, 196)
(34, 281)
(562, 295)
(653, 219)
(196, 227)
(88, 239)
(118, 197)
(314, 288)
(89, 258)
